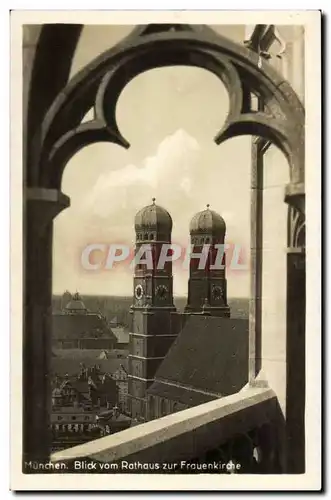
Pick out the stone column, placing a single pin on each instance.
(296, 343)
(255, 305)
(30, 37)
(40, 208)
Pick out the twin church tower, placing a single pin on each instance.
(155, 321)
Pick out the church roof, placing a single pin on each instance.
(181, 394)
(153, 217)
(79, 326)
(207, 221)
(210, 355)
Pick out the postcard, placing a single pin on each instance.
(165, 295)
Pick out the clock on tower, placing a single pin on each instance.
(151, 335)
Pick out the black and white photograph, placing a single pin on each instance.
(163, 321)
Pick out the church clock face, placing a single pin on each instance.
(217, 292)
(139, 292)
(162, 292)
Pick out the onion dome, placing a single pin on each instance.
(76, 305)
(209, 222)
(153, 217)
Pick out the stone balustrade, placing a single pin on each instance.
(226, 429)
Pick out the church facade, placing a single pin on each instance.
(160, 335)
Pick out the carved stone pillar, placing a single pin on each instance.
(296, 342)
(255, 261)
(41, 206)
(259, 146)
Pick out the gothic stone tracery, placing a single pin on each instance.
(101, 82)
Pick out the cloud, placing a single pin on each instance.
(168, 175)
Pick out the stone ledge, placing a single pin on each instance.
(40, 194)
(185, 433)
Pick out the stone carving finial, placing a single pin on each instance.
(153, 200)
(208, 206)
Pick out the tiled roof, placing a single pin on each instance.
(85, 354)
(63, 366)
(76, 326)
(181, 394)
(210, 355)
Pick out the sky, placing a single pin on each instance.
(170, 117)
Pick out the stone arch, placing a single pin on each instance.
(59, 133)
(38, 42)
(100, 83)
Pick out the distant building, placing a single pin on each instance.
(111, 421)
(76, 327)
(113, 322)
(121, 378)
(178, 360)
(90, 387)
(73, 425)
(69, 362)
(65, 299)
(76, 402)
(122, 335)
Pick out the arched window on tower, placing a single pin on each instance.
(151, 236)
(146, 236)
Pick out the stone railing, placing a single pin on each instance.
(238, 433)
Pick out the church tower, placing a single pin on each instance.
(152, 310)
(207, 291)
